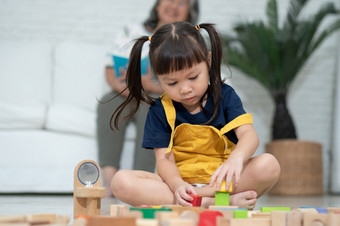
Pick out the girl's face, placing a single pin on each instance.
(187, 86)
(171, 11)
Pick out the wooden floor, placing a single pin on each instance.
(63, 204)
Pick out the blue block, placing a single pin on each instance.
(320, 210)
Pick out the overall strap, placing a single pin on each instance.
(170, 113)
(238, 121)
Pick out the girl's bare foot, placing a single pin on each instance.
(245, 199)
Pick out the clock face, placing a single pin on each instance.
(88, 173)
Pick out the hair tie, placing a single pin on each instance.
(150, 38)
(198, 27)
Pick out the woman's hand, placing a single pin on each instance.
(182, 194)
(149, 85)
(117, 84)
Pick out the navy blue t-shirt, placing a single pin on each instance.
(157, 131)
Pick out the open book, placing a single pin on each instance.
(122, 62)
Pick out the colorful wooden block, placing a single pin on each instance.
(227, 214)
(318, 209)
(307, 210)
(250, 222)
(333, 219)
(314, 219)
(294, 218)
(209, 218)
(258, 214)
(178, 222)
(80, 221)
(240, 213)
(333, 209)
(197, 200)
(221, 208)
(116, 210)
(109, 221)
(223, 187)
(149, 212)
(275, 208)
(160, 215)
(33, 219)
(147, 222)
(221, 198)
(180, 209)
(279, 218)
(191, 215)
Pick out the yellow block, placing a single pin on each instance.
(222, 189)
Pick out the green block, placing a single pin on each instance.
(240, 213)
(280, 208)
(149, 213)
(221, 198)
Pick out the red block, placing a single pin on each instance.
(197, 200)
(209, 218)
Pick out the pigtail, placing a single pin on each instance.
(215, 87)
(134, 85)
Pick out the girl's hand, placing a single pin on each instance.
(230, 169)
(233, 166)
(182, 194)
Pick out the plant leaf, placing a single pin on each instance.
(272, 15)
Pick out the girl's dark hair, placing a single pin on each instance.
(152, 21)
(174, 47)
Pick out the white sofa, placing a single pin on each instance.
(48, 98)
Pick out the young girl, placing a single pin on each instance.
(198, 128)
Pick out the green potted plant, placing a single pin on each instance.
(273, 54)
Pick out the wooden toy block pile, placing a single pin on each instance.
(35, 219)
(220, 214)
(87, 210)
(175, 215)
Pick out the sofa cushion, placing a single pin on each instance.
(72, 119)
(41, 160)
(79, 74)
(79, 82)
(25, 75)
(22, 114)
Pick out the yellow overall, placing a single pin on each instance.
(199, 149)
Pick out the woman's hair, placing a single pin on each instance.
(152, 21)
(174, 47)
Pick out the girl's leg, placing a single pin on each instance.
(136, 187)
(259, 175)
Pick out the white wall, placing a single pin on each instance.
(311, 96)
(335, 183)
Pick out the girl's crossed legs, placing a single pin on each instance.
(136, 188)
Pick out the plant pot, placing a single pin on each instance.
(301, 167)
